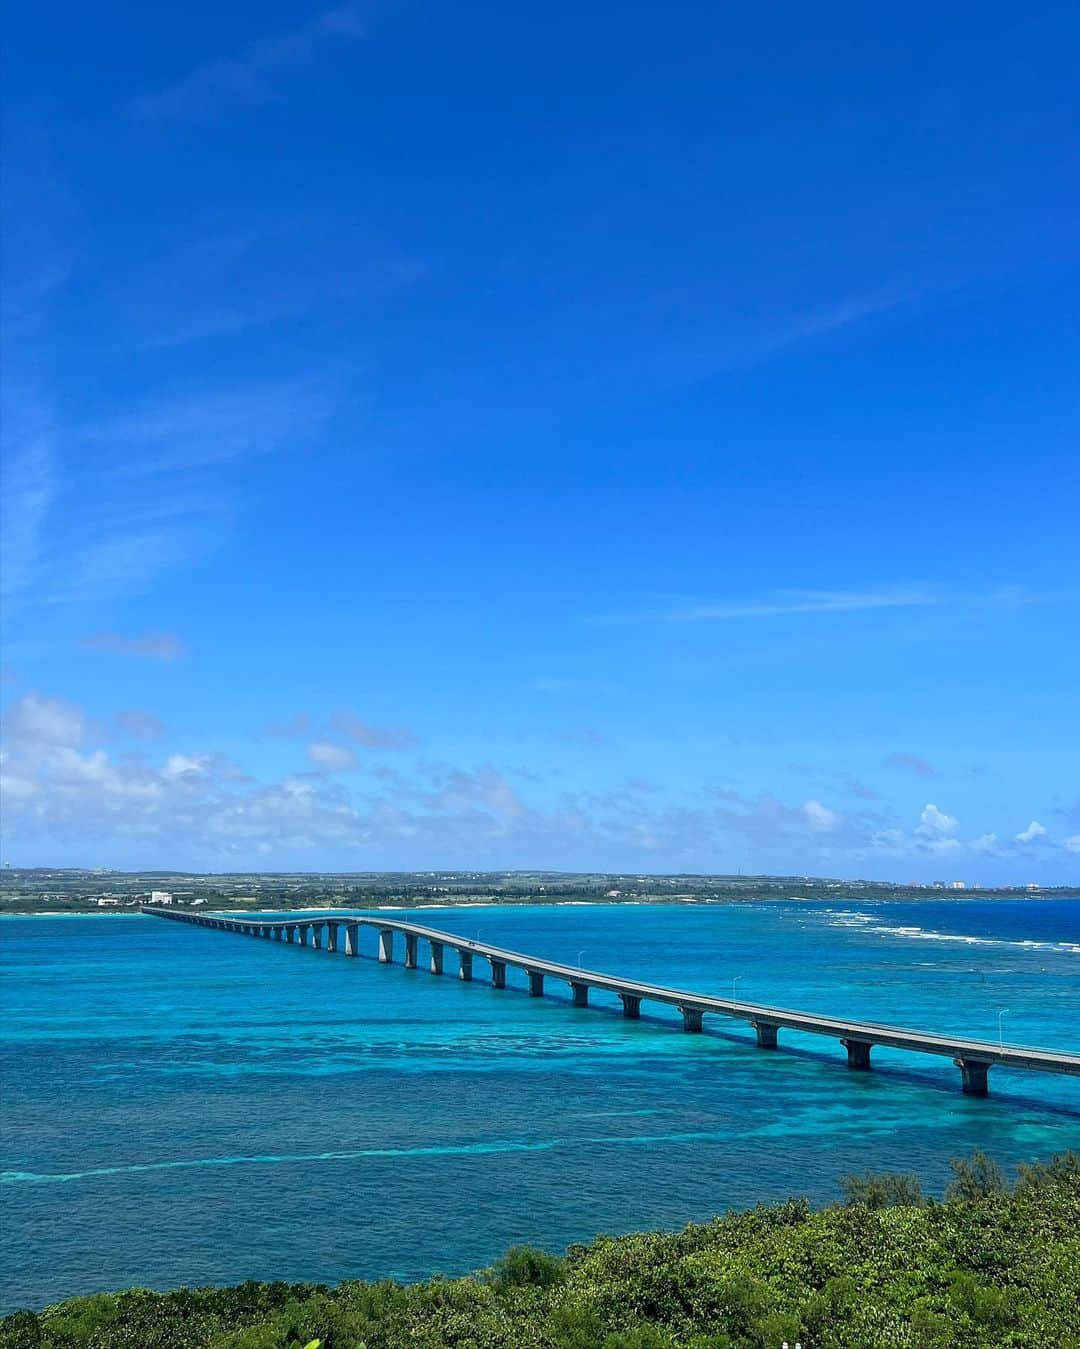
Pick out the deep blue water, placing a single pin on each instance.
(186, 1106)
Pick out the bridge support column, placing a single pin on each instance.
(411, 943)
(766, 1034)
(581, 994)
(691, 1019)
(332, 937)
(386, 946)
(858, 1054)
(290, 933)
(352, 939)
(973, 1076)
(316, 935)
(465, 965)
(498, 974)
(302, 935)
(436, 957)
(631, 1006)
(536, 984)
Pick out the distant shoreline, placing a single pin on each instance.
(129, 911)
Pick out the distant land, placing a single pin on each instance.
(37, 890)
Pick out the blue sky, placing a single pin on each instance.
(490, 436)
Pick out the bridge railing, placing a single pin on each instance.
(342, 932)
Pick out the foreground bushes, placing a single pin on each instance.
(988, 1267)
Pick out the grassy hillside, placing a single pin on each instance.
(989, 1266)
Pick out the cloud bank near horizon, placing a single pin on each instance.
(62, 785)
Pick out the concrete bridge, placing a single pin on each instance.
(974, 1058)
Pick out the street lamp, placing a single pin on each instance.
(579, 955)
(733, 983)
(1001, 1039)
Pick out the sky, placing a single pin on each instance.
(497, 436)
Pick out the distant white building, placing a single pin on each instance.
(107, 899)
(160, 897)
(958, 885)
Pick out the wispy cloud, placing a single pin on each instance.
(29, 491)
(165, 646)
(253, 75)
(212, 426)
(911, 762)
(784, 603)
(795, 603)
(225, 272)
(139, 724)
(345, 722)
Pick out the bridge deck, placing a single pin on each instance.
(967, 1052)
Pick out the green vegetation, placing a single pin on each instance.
(70, 890)
(990, 1266)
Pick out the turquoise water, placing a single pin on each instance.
(187, 1106)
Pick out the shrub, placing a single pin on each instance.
(976, 1178)
(882, 1189)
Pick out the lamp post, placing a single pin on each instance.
(1001, 1038)
(733, 983)
(579, 955)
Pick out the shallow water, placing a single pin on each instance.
(186, 1106)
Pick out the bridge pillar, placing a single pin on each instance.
(581, 994)
(386, 946)
(316, 935)
(858, 1054)
(290, 932)
(302, 934)
(536, 984)
(436, 957)
(766, 1034)
(465, 959)
(498, 974)
(412, 941)
(352, 939)
(332, 937)
(691, 1018)
(631, 1006)
(973, 1076)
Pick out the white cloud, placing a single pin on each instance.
(61, 790)
(35, 721)
(179, 765)
(332, 758)
(1032, 834)
(934, 824)
(821, 819)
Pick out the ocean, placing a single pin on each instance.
(182, 1106)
